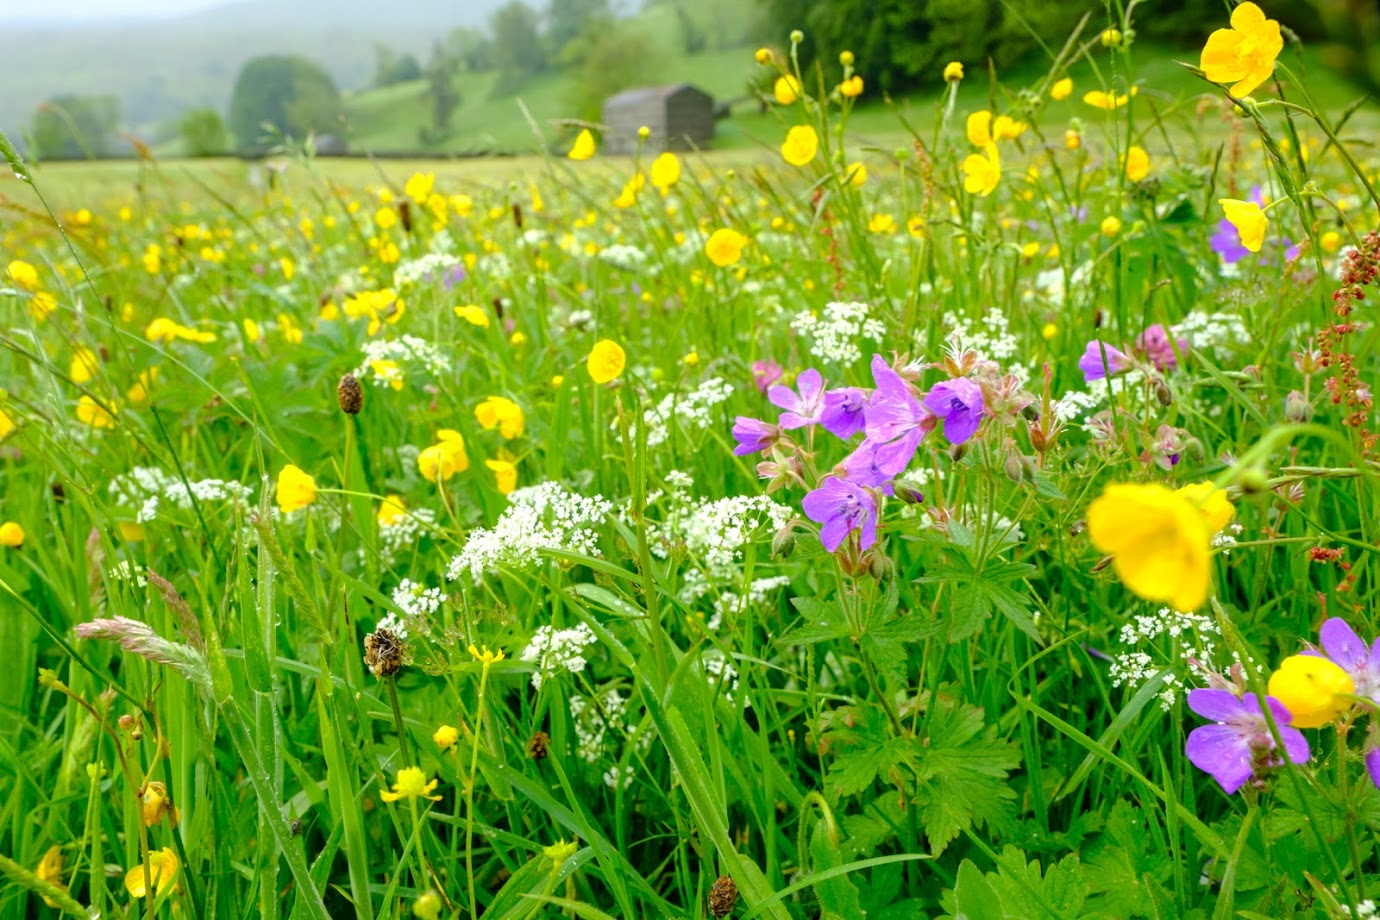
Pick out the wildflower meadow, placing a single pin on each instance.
(980, 526)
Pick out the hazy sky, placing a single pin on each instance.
(92, 10)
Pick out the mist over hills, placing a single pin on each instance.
(160, 67)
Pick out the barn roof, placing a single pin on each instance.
(643, 94)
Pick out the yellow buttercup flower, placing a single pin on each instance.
(485, 657)
(41, 305)
(1111, 226)
(786, 90)
(979, 127)
(881, 224)
(583, 148)
(851, 88)
(296, 489)
(94, 414)
(1159, 541)
(1107, 101)
(163, 866)
(474, 315)
(411, 783)
(606, 361)
(155, 804)
(1061, 90)
(23, 275)
(11, 535)
(1243, 55)
(446, 736)
(725, 247)
(1137, 164)
(1249, 220)
(505, 475)
(84, 366)
(800, 146)
(385, 218)
(1006, 128)
(665, 171)
(503, 414)
(445, 458)
(419, 186)
(391, 511)
(1211, 502)
(1312, 688)
(953, 72)
(50, 870)
(6, 425)
(855, 174)
(982, 171)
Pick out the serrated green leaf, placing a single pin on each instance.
(974, 898)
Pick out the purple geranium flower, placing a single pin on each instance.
(959, 403)
(1373, 765)
(754, 436)
(842, 507)
(765, 373)
(1095, 367)
(894, 416)
(1156, 345)
(844, 411)
(1239, 746)
(803, 405)
(871, 465)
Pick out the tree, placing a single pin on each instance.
(567, 18)
(391, 68)
(70, 126)
(609, 56)
(470, 48)
(442, 96)
(203, 133)
(518, 52)
(292, 94)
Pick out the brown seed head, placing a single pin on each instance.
(350, 395)
(723, 896)
(539, 746)
(383, 653)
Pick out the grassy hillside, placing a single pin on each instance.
(161, 68)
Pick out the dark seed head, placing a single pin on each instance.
(723, 896)
(539, 746)
(383, 653)
(350, 395)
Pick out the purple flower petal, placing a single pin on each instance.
(1217, 705)
(1221, 751)
(1373, 766)
(1343, 646)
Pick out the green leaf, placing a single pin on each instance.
(963, 769)
(823, 621)
(973, 896)
(1060, 892)
(836, 893)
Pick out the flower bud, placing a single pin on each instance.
(428, 906)
(783, 544)
(880, 566)
(797, 36)
(846, 58)
(908, 491)
(1111, 38)
(1252, 480)
(643, 133)
(1163, 395)
(763, 56)
(1297, 408)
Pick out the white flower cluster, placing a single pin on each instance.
(1192, 638)
(394, 624)
(731, 602)
(147, 487)
(540, 517)
(495, 265)
(1076, 403)
(715, 532)
(991, 340)
(127, 570)
(593, 723)
(618, 777)
(1221, 334)
(431, 267)
(553, 650)
(387, 360)
(691, 410)
(628, 258)
(721, 674)
(835, 334)
(417, 600)
(1363, 909)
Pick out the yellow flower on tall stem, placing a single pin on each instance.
(411, 783)
(296, 489)
(1249, 220)
(982, 171)
(1243, 55)
(1159, 540)
(583, 148)
(606, 361)
(162, 867)
(725, 246)
(800, 146)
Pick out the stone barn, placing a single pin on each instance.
(680, 117)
